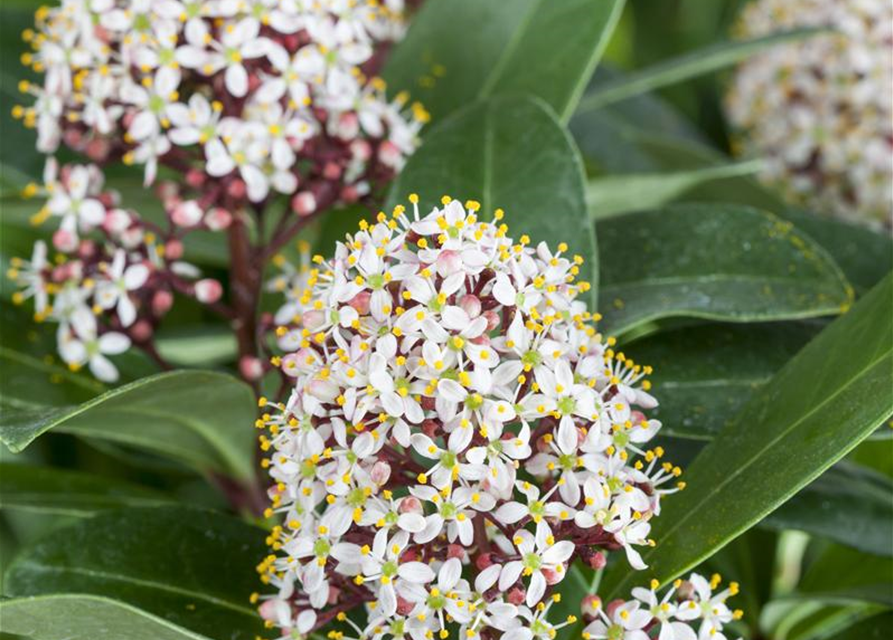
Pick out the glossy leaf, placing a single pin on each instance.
(198, 418)
(615, 194)
(864, 256)
(848, 503)
(79, 617)
(827, 399)
(191, 567)
(510, 154)
(689, 65)
(457, 51)
(876, 627)
(49, 490)
(842, 572)
(704, 375)
(721, 262)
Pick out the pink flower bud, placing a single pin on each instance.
(471, 305)
(404, 607)
(313, 319)
(455, 551)
(591, 605)
(637, 417)
(361, 150)
(86, 249)
(483, 561)
(116, 221)
(516, 596)
(65, 241)
(448, 263)
(389, 154)
(493, 319)
(360, 302)
(237, 189)
(208, 291)
(410, 504)
(348, 126)
(195, 178)
(97, 149)
(73, 138)
(141, 331)
(218, 219)
(173, 250)
(381, 472)
(331, 171)
(187, 214)
(304, 203)
(598, 560)
(482, 340)
(552, 576)
(251, 368)
(350, 194)
(613, 606)
(162, 301)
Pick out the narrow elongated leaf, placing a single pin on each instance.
(510, 154)
(839, 568)
(191, 567)
(876, 627)
(704, 375)
(848, 503)
(69, 493)
(457, 51)
(690, 65)
(713, 261)
(612, 195)
(196, 417)
(827, 399)
(77, 617)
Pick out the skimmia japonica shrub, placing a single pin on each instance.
(250, 117)
(457, 435)
(820, 111)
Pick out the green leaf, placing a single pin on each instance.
(864, 256)
(827, 399)
(615, 194)
(704, 375)
(689, 65)
(848, 503)
(199, 418)
(874, 628)
(510, 154)
(849, 573)
(49, 490)
(721, 262)
(76, 617)
(196, 346)
(457, 51)
(194, 568)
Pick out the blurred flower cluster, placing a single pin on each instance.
(821, 110)
(229, 105)
(456, 435)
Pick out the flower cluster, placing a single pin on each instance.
(821, 110)
(456, 435)
(228, 92)
(113, 276)
(238, 103)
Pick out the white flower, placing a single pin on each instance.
(121, 279)
(83, 346)
(74, 202)
(538, 554)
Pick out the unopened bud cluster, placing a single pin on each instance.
(820, 110)
(457, 434)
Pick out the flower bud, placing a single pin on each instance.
(251, 368)
(116, 221)
(381, 472)
(410, 504)
(304, 203)
(162, 301)
(471, 305)
(173, 250)
(237, 189)
(360, 302)
(389, 154)
(218, 219)
(493, 320)
(208, 291)
(65, 241)
(141, 331)
(598, 560)
(187, 214)
(516, 596)
(590, 605)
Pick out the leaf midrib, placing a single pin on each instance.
(94, 573)
(713, 277)
(717, 488)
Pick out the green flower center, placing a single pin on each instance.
(321, 548)
(532, 561)
(389, 569)
(376, 281)
(615, 632)
(567, 406)
(448, 460)
(156, 104)
(533, 358)
(448, 510)
(621, 439)
(568, 461)
(356, 498)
